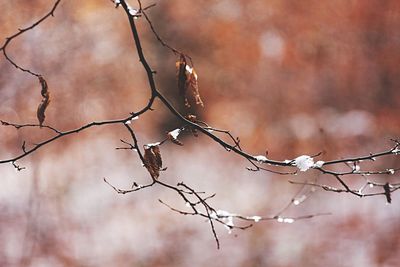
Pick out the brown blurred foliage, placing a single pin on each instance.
(287, 77)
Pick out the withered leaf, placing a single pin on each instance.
(182, 78)
(173, 136)
(194, 85)
(187, 76)
(192, 118)
(386, 187)
(45, 101)
(152, 160)
(176, 141)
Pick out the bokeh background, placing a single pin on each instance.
(287, 77)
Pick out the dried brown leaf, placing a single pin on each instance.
(152, 160)
(193, 119)
(45, 101)
(156, 151)
(44, 92)
(192, 78)
(176, 141)
(182, 78)
(187, 77)
(173, 136)
(386, 187)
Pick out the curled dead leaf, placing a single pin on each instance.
(45, 101)
(152, 160)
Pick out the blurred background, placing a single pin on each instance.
(287, 77)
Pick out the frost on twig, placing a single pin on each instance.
(261, 158)
(303, 162)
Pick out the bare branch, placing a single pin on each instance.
(21, 31)
(197, 202)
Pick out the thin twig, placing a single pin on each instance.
(23, 30)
